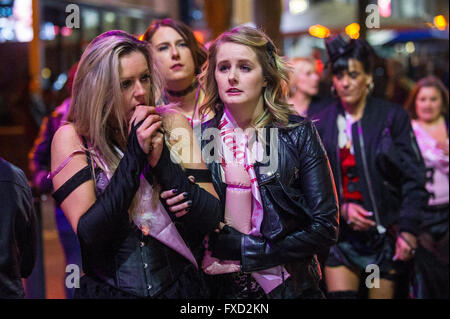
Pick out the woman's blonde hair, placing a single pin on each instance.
(275, 72)
(295, 64)
(96, 109)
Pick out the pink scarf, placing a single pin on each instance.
(243, 207)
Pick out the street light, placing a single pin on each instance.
(440, 22)
(353, 30)
(297, 6)
(319, 31)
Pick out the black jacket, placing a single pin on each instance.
(18, 231)
(300, 207)
(388, 162)
(118, 260)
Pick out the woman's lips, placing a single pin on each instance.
(233, 91)
(176, 66)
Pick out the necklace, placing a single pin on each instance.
(197, 95)
(184, 92)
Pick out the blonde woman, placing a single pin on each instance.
(103, 170)
(281, 212)
(304, 86)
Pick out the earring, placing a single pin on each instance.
(333, 91)
(370, 87)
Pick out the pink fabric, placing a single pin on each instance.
(436, 158)
(155, 221)
(243, 207)
(238, 205)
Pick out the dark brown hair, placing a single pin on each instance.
(197, 49)
(429, 81)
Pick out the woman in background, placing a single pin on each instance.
(378, 171)
(304, 86)
(428, 108)
(179, 57)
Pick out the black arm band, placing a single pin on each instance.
(200, 175)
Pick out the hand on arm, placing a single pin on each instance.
(201, 197)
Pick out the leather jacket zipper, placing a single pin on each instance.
(380, 227)
(269, 179)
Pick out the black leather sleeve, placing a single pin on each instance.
(317, 186)
(205, 213)
(18, 231)
(99, 227)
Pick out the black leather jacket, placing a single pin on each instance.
(300, 207)
(18, 231)
(388, 162)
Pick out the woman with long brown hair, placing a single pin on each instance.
(179, 58)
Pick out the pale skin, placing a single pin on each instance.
(351, 86)
(173, 119)
(178, 69)
(177, 66)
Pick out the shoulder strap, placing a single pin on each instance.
(71, 184)
(63, 164)
(83, 175)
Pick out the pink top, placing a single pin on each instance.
(434, 158)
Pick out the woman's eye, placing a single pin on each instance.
(246, 68)
(182, 44)
(162, 47)
(145, 77)
(354, 75)
(223, 68)
(125, 84)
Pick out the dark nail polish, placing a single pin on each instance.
(185, 194)
(174, 191)
(189, 203)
